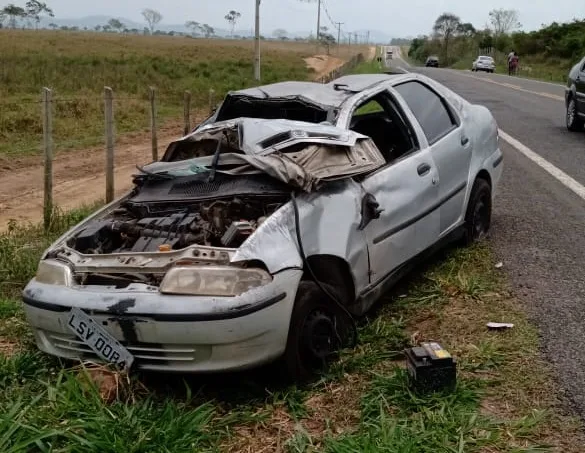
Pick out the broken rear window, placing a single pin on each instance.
(271, 108)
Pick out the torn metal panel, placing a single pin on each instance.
(329, 223)
(299, 154)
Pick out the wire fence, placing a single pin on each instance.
(346, 68)
(111, 135)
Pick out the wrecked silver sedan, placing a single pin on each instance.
(261, 234)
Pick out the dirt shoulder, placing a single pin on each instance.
(324, 64)
(79, 176)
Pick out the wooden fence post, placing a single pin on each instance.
(211, 100)
(109, 113)
(154, 139)
(48, 149)
(187, 112)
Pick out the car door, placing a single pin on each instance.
(405, 190)
(580, 86)
(450, 148)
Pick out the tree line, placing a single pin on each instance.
(453, 39)
(34, 11)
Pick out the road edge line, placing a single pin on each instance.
(554, 171)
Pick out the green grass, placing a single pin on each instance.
(362, 403)
(77, 66)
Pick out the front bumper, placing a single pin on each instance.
(169, 333)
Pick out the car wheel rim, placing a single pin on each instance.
(318, 338)
(481, 218)
(571, 113)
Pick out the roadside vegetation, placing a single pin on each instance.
(504, 400)
(547, 53)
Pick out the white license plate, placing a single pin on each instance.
(100, 341)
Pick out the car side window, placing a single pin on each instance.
(583, 67)
(429, 109)
(378, 119)
(370, 107)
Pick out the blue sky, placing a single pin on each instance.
(395, 17)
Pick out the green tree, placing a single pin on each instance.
(116, 24)
(194, 26)
(152, 18)
(503, 21)
(232, 17)
(467, 30)
(280, 33)
(446, 27)
(208, 30)
(14, 14)
(34, 9)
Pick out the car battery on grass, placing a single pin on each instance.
(431, 368)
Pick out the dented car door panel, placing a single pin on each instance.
(407, 193)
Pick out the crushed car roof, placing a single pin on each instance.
(323, 94)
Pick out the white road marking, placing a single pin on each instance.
(556, 172)
(513, 87)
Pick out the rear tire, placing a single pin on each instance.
(314, 333)
(479, 212)
(574, 123)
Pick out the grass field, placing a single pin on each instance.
(77, 66)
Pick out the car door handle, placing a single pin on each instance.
(423, 169)
(464, 140)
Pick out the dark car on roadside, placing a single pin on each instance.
(432, 62)
(575, 97)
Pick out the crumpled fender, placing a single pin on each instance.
(329, 222)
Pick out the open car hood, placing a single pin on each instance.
(298, 153)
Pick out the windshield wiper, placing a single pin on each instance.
(146, 175)
(215, 160)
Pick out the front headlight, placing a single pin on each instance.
(54, 273)
(212, 280)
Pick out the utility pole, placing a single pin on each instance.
(318, 20)
(339, 24)
(368, 38)
(355, 35)
(257, 43)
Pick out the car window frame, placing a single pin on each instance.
(392, 102)
(582, 70)
(455, 120)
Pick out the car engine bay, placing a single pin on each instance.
(164, 214)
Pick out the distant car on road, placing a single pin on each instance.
(255, 236)
(483, 63)
(575, 97)
(389, 54)
(432, 61)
